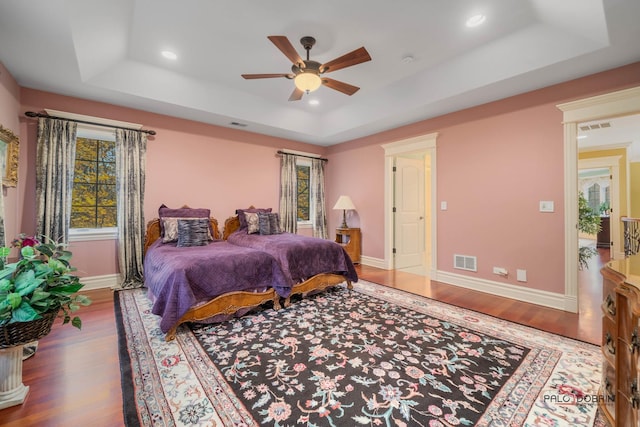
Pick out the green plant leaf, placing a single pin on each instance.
(26, 282)
(5, 285)
(14, 300)
(77, 322)
(83, 300)
(7, 271)
(57, 265)
(39, 295)
(45, 249)
(66, 289)
(24, 313)
(27, 252)
(4, 251)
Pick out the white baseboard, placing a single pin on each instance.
(533, 296)
(374, 262)
(100, 282)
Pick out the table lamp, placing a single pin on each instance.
(344, 203)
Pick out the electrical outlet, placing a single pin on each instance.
(546, 206)
(521, 275)
(500, 271)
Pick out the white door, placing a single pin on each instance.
(410, 212)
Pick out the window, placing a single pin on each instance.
(594, 197)
(304, 191)
(93, 204)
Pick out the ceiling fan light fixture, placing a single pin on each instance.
(307, 82)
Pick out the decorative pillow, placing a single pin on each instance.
(165, 212)
(241, 217)
(193, 232)
(171, 231)
(253, 226)
(269, 223)
(187, 213)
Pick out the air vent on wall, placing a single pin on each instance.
(465, 262)
(594, 126)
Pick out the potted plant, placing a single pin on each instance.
(33, 291)
(39, 284)
(589, 223)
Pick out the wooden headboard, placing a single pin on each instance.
(230, 225)
(153, 231)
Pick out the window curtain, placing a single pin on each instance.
(288, 194)
(131, 147)
(55, 160)
(317, 193)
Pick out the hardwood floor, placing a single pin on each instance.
(74, 377)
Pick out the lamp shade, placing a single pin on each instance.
(344, 202)
(307, 82)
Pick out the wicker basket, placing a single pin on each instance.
(20, 333)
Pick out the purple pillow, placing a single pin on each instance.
(243, 220)
(165, 212)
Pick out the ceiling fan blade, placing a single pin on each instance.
(357, 56)
(296, 95)
(285, 46)
(340, 86)
(264, 76)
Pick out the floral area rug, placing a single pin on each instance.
(374, 356)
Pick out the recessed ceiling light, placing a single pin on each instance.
(314, 102)
(476, 20)
(169, 55)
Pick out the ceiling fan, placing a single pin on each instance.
(307, 74)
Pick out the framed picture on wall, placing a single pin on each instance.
(10, 151)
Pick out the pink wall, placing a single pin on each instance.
(495, 162)
(358, 174)
(9, 109)
(187, 163)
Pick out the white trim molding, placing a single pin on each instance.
(620, 103)
(529, 295)
(419, 144)
(100, 282)
(374, 262)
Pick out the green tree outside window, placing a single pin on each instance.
(303, 173)
(93, 203)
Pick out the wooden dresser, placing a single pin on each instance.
(619, 395)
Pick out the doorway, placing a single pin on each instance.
(410, 229)
(615, 104)
(409, 214)
(599, 180)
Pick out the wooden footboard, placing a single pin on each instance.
(318, 282)
(229, 303)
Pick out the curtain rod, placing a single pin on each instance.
(32, 114)
(302, 155)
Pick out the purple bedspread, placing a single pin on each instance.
(301, 257)
(181, 278)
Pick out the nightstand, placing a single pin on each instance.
(350, 240)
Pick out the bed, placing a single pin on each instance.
(207, 283)
(310, 264)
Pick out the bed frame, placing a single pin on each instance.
(228, 303)
(319, 282)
